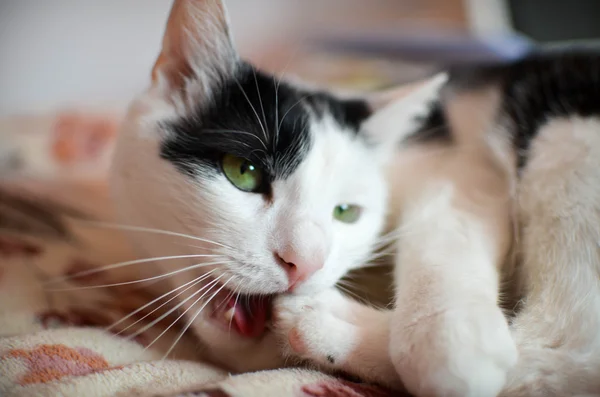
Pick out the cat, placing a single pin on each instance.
(275, 180)
(285, 189)
(500, 183)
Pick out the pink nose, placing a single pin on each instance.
(297, 267)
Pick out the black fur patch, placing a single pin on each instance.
(434, 127)
(330, 359)
(254, 116)
(543, 86)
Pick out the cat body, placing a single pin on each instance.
(505, 191)
(263, 194)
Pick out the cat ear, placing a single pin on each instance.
(398, 112)
(406, 92)
(196, 45)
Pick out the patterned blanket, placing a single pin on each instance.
(62, 336)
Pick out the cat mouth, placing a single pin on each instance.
(247, 315)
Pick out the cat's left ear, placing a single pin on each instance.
(197, 45)
(397, 113)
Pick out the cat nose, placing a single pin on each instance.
(298, 267)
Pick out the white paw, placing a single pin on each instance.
(466, 351)
(311, 327)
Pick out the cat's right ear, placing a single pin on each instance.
(197, 46)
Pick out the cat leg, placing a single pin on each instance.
(558, 328)
(338, 334)
(448, 335)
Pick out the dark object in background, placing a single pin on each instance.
(530, 22)
(548, 21)
(439, 47)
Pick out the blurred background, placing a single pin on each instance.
(63, 53)
(72, 65)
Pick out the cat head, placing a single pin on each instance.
(277, 186)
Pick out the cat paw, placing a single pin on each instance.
(312, 328)
(465, 351)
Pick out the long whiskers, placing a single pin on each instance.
(193, 283)
(290, 109)
(262, 108)
(161, 276)
(125, 264)
(140, 331)
(224, 302)
(116, 226)
(281, 75)
(346, 287)
(237, 132)
(237, 296)
(276, 140)
(191, 321)
(254, 110)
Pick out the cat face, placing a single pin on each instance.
(280, 189)
(287, 182)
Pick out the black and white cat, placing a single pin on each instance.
(285, 189)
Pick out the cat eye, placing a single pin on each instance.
(242, 173)
(347, 213)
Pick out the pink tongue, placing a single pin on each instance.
(250, 317)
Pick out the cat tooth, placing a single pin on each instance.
(229, 314)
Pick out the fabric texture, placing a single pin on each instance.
(61, 336)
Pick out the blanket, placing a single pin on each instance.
(60, 335)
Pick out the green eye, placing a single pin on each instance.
(347, 213)
(241, 173)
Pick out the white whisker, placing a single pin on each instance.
(290, 108)
(126, 263)
(276, 140)
(197, 246)
(107, 225)
(224, 302)
(378, 255)
(237, 296)
(284, 70)
(191, 321)
(185, 269)
(254, 110)
(140, 331)
(193, 283)
(287, 165)
(359, 298)
(262, 108)
(355, 286)
(237, 132)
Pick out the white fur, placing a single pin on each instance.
(339, 168)
(246, 232)
(328, 326)
(447, 334)
(558, 330)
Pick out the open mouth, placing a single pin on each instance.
(245, 314)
